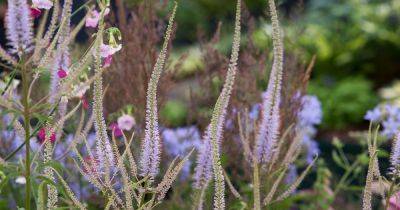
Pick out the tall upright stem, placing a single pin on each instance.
(25, 103)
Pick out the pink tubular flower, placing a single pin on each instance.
(42, 4)
(62, 73)
(394, 202)
(115, 129)
(108, 50)
(85, 103)
(107, 61)
(93, 19)
(126, 122)
(42, 136)
(35, 12)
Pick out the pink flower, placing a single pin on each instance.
(126, 122)
(42, 136)
(62, 73)
(394, 202)
(85, 103)
(108, 50)
(94, 17)
(115, 129)
(35, 12)
(42, 4)
(107, 61)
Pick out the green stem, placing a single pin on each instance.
(25, 103)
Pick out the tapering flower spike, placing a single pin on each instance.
(270, 119)
(61, 60)
(19, 27)
(203, 171)
(151, 144)
(216, 126)
(395, 155)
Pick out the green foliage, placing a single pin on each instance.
(174, 113)
(344, 102)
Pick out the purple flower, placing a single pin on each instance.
(291, 175)
(311, 111)
(115, 129)
(310, 115)
(311, 148)
(19, 26)
(390, 127)
(181, 140)
(374, 115)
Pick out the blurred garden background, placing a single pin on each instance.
(350, 50)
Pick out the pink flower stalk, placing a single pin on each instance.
(35, 12)
(115, 129)
(42, 4)
(19, 26)
(126, 122)
(61, 73)
(42, 136)
(203, 171)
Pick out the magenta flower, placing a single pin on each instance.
(62, 73)
(42, 136)
(85, 103)
(107, 61)
(42, 4)
(126, 122)
(394, 202)
(35, 12)
(115, 129)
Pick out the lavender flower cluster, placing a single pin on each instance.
(388, 115)
(179, 142)
(309, 116)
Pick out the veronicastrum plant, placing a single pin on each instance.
(115, 174)
(266, 157)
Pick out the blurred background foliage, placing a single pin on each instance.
(356, 42)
